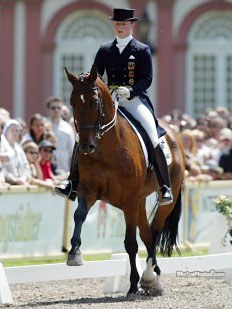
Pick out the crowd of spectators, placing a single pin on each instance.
(39, 153)
(207, 143)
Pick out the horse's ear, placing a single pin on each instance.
(93, 73)
(72, 78)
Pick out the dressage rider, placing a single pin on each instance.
(128, 65)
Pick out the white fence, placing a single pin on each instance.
(115, 271)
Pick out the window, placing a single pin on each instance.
(77, 41)
(209, 68)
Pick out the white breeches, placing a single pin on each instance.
(141, 113)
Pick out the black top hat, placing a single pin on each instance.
(124, 15)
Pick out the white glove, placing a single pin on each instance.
(123, 93)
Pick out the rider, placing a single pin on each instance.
(128, 65)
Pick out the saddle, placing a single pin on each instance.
(145, 141)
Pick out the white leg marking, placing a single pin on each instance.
(150, 282)
(149, 277)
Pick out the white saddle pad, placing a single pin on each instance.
(163, 143)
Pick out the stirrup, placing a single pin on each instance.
(167, 197)
(64, 188)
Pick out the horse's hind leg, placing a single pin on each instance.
(150, 281)
(131, 247)
(74, 255)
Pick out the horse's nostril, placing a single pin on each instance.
(87, 148)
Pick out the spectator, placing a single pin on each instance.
(36, 129)
(225, 160)
(195, 173)
(31, 150)
(66, 115)
(190, 148)
(5, 148)
(216, 125)
(63, 131)
(4, 114)
(223, 112)
(72, 124)
(23, 129)
(50, 136)
(17, 171)
(203, 151)
(213, 170)
(46, 149)
(5, 151)
(230, 123)
(215, 151)
(2, 179)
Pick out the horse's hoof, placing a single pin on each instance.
(133, 295)
(156, 291)
(151, 287)
(75, 259)
(146, 285)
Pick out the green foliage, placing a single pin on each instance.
(223, 205)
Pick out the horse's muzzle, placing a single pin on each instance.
(86, 148)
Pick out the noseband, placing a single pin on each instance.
(98, 127)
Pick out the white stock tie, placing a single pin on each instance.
(122, 43)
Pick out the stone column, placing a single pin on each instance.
(6, 53)
(165, 73)
(33, 63)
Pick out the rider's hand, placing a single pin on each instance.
(123, 93)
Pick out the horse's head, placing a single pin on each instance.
(87, 108)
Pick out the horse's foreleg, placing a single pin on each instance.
(157, 289)
(74, 255)
(150, 280)
(131, 247)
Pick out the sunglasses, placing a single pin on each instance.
(34, 153)
(47, 150)
(55, 107)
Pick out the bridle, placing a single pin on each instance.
(99, 127)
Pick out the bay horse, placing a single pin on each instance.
(112, 168)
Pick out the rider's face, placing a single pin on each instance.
(123, 28)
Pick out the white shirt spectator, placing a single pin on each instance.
(17, 170)
(64, 146)
(18, 166)
(5, 147)
(64, 134)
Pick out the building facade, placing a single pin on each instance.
(191, 43)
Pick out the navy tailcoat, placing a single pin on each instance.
(131, 68)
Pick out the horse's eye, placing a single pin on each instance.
(95, 103)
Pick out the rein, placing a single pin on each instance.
(100, 128)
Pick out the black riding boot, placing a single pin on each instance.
(67, 188)
(162, 173)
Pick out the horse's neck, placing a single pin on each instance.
(111, 138)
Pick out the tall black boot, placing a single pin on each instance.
(162, 173)
(67, 187)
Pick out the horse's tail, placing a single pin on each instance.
(168, 237)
